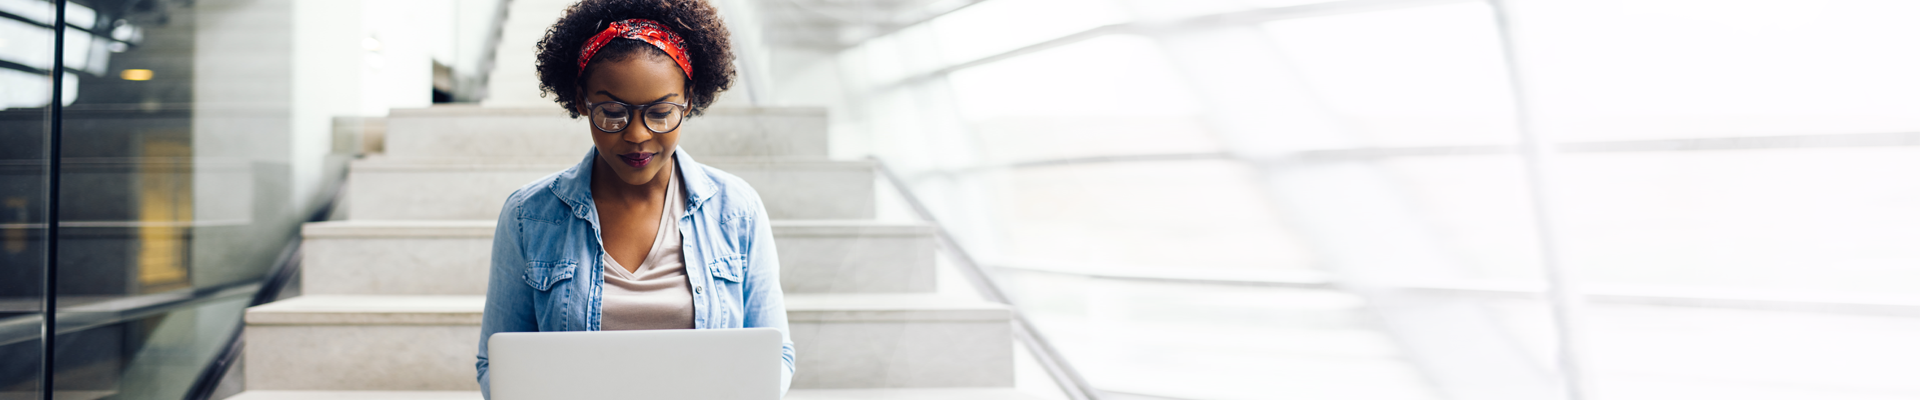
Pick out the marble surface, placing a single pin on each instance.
(369, 310)
(841, 256)
(794, 394)
(380, 190)
(912, 393)
(793, 189)
(889, 354)
(547, 132)
(394, 294)
(891, 307)
(427, 342)
(358, 395)
(452, 257)
(361, 357)
(445, 261)
(384, 188)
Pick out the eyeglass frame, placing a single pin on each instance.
(630, 110)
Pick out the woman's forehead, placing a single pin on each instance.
(636, 79)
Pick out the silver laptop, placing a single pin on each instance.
(719, 364)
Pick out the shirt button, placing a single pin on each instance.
(696, 290)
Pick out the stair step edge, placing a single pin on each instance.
(466, 310)
(391, 164)
(485, 228)
(795, 394)
(555, 111)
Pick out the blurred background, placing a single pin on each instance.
(1200, 199)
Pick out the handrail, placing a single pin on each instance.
(286, 266)
(1296, 280)
(1057, 367)
(1690, 296)
(75, 318)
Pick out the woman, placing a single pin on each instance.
(637, 235)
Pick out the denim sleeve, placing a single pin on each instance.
(765, 306)
(509, 302)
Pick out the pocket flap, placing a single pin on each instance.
(728, 268)
(543, 275)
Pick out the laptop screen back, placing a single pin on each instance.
(719, 364)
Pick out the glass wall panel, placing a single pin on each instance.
(1655, 352)
(1657, 69)
(26, 54)
(1126, 76)
(995, 27)
(1171, 340)
(192, 148)
(1729, 190)
(1475, 208)
(1418, 76)
(1734, 197)
(1768, 220)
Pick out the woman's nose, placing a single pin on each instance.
(636, 133)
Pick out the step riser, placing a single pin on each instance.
(1001, 393)
(789, 191)
(830, 355)
(917, 354)
(549, 133)
(811, 261)
(810, 191)
(855, 264)
(361, 357)
(432, 195)
(432, 266)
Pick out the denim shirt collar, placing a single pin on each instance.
(575, 187)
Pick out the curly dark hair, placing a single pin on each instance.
(698, 23)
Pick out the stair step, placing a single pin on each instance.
(547, 132)
(440, 189)
(358, 395)
(396, 257)
(363, 343)
(795, 394)
(853, 256)
(451, 257)
(913, 393)
(367, 342)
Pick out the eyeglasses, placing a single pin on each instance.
(614, 116)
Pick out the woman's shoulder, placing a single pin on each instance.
(536, 200)
(725, 190)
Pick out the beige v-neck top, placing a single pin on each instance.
(656, 295)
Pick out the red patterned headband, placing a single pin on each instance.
(643, 30)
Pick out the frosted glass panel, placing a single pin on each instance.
(1791, 219)
(1115, 75)
(1140, 214)
(1415, 76)
(1642, 69)
(996, 26)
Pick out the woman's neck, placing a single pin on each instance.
(607, 186)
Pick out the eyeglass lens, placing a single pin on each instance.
(659, 118)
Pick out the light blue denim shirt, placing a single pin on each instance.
(546, 258)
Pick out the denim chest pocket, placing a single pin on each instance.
(725, 296)
(542, 276)
(727, 268)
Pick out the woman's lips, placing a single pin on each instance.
(637, 160)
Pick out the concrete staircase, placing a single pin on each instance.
(391, 297)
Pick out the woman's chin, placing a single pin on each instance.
(638, 176)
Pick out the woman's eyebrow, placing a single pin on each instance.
(617, 98)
